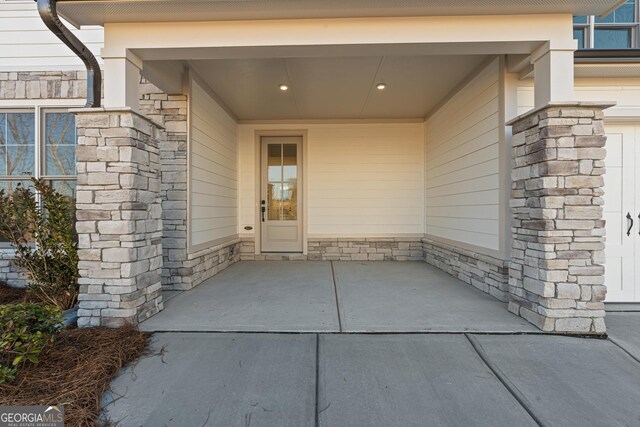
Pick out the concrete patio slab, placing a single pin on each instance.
(570, 381)
(198, 379)
(416, 297)
(256, 296)
(167, 295)
(624, 330)
(410, 380)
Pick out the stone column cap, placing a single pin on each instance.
(569, 104)
(97, 110)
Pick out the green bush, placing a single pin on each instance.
(26, 329)
(42, 232)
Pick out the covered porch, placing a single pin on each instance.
(341, 138)
(332, 297)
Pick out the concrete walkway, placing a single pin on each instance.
(314, 296)
(334, 380)
(624, 330)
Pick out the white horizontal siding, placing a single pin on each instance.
(462, 176)
(361, 179)
(625, 92)
(365, 179)
(26, 44)
(214, 173)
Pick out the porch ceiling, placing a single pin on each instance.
(97, 12)
(335, 87)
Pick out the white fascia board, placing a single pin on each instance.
(99, 12)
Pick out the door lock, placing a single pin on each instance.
(263, 209)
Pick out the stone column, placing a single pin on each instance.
(556, 276)
(119, 214)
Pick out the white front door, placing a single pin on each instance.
(281, 187)
(622, 213)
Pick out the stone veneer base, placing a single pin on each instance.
(487, 273)
(345, 249)
(204, 264)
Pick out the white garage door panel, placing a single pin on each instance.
(622, 272)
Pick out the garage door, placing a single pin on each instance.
(622, 213)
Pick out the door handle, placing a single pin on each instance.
(638, 220)
(263, 208)
(630, 218)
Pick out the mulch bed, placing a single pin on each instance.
(11, 295)
(76, 372)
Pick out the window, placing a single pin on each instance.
(618, 30)
(40, 143)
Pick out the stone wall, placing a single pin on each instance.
(9, 271)
(346, 249)
(489, 274)
(119, 217)
(557, 271)
(171, 111)
(43, 85)
(206, 263)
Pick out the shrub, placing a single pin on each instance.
(26, 329)
(43, 235)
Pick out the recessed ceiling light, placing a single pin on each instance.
(284, 87)
(381, 86)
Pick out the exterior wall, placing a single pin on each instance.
(29, 89)
(463, 164)
(38, 85)
(27, 45)
(625, 92)
(360, 180)
(183, 268)
(171, 111)
(465, 187)
(213, 198)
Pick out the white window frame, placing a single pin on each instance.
(38, 108)
(591, 25)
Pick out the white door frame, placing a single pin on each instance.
(302, 195)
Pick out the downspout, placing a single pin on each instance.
(49, 15)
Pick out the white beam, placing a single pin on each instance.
(553, 75)
(501, 33)
(121, 81)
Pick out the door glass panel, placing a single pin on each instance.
(290, 201)
(290, 162)
(274, 201)
(282, 186)
(274, 162)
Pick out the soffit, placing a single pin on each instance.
(608, 70)
(98, 12)
(336, 87)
